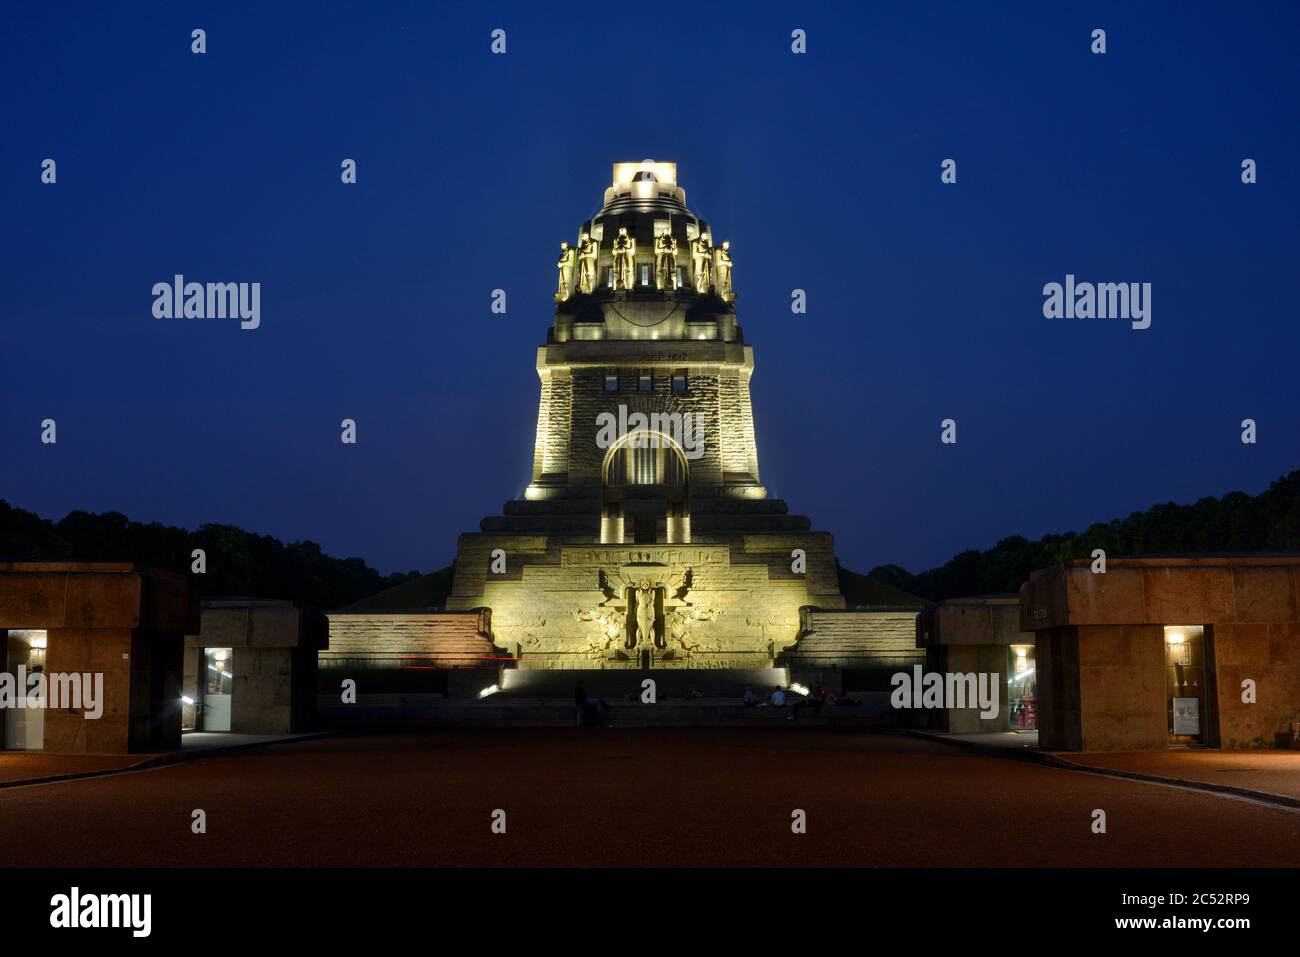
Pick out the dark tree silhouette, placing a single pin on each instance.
(238, 562)
(1237, 522)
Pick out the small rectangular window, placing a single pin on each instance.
(645, 384)
(679, 385)
(609, 276)
(679, 279)
(645, 275)
(611, 383)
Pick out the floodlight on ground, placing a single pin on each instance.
(489, 691)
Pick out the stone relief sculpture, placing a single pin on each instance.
(588, 250)
(665, 261)
(566, 264)
(645, 615)
(624, 254)
(677, 624)
(702, 256)
(648, 608)
(679, 585)
(722, 269)
(613, 629)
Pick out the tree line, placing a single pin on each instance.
(1237, 522)
(237, 562)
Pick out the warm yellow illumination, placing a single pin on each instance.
(535, 493)
(34, 637)
(665, 173)
(1174, 637)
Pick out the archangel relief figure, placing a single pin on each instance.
(645, 615)
(588, 250)
(702, 255)
(624, 253)
(665, 261)
(566, 264)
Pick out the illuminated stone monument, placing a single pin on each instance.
(645, 538)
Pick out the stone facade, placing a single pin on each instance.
(274, 647)
(120, 620)
(441, 639)
(652, 544)
(404, 663)
(1100, 648)
(883, 638)
(972, 636)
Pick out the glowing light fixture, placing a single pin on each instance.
(489, 691)
(798, 688)
(186, 699)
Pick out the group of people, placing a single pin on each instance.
(818, 699)
(591, 714)
(595, 713)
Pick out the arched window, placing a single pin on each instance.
(646, 458)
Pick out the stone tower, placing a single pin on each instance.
(646, 537)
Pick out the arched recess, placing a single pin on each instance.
(641, 470)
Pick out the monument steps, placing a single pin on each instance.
(398, 712)
(618, 683)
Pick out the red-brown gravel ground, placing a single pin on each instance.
(1277, 772)
(628, 797)
(26, 765)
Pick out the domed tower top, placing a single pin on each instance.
(645, 186)
(645, 266)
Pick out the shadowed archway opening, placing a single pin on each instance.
(645, 491)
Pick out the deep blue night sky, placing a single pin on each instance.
(925, 300)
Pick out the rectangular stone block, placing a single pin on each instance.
(1264, 594)
(1043, 601)
(1122, 691)
(1114, 597)
(1240, 645)
(1189, 596)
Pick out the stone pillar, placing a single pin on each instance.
(1056, 658)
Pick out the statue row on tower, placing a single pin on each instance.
(711, 266)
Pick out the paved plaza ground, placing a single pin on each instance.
(629, 797)
(1271, 771)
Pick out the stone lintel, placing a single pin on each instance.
(986, 620)
(1188, 590)
(674, 353)
(672, 555)
(259, 623)
(95, 595)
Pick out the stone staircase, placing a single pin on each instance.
(616, 684)
(410, 712)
